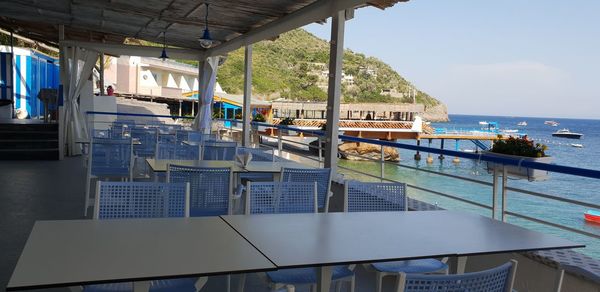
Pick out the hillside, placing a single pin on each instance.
(295, 67)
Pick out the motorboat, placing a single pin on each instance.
(565, 133)
(483, 123)
(592, 216)
(576, 145)
(551, 123)
(522, 124)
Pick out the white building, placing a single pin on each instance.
(151, 76)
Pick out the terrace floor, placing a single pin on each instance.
(53, 190)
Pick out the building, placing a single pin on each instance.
(348, 111)
(32, 71)
(151, 76)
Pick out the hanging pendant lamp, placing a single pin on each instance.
(206, 41)
(163, 55)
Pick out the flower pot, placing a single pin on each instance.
(518, 171)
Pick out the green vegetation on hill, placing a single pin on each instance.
(295, 65)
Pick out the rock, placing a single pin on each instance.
(437, 113)
(349, 149)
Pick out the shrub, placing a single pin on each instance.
(287, 121)
(259, 118)
(521, 146)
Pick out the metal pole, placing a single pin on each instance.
(382, 163)
(246, 112)
(504, 193)
(320, 149)
(334, 88)
(279, 142)
(495, 193)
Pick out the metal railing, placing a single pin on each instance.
(499, 185)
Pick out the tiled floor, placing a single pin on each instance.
(35, 190)
(53, 190)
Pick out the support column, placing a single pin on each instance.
(101, 73)
(246, 112)
(334, 89)
(63, 78)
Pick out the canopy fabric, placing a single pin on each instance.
(203, 120)
(79, 64)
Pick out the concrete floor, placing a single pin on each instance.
(35, 190)
(53, 190)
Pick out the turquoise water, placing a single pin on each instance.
(567, 186)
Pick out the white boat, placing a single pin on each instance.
(565, 133)
(510, 131)
(483, 123)
(551, 123)
(522, 124)
(576, 145)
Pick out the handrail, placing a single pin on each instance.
(584, 172)
(136, 115)
(591, 173)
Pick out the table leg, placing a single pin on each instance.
(323, 278)
(458, 264)
(141, 286)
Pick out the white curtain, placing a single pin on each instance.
(79, 64)
(207, 81)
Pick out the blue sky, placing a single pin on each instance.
(509, 57)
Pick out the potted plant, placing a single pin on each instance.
(520, 148)
(286, 122)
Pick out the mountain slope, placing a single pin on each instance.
(295, 67)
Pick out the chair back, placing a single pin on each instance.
(111, 157)
(168, 150)
(147, 138)
(218, 150)
(498, 279)
(195, 136)
(373, 197)
(165, 137)
(258, 154)
(281, 198)
(116, 200)
(322, 176)
(211, 190)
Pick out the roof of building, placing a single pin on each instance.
(183, 21)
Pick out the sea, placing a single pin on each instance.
(561, 185)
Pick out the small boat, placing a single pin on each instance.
(483, 123)
(510, 131)
(565, 133)
(522, 124)
(592, 216)
(551, 123)
(576, 145)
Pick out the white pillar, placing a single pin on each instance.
(334, 89)
(246, 112)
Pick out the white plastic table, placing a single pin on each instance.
(80, 252)
(324, 240)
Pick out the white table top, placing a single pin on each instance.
(76, 252)
(160, 165)
(345, 238)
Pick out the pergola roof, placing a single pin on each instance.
(111, 21)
